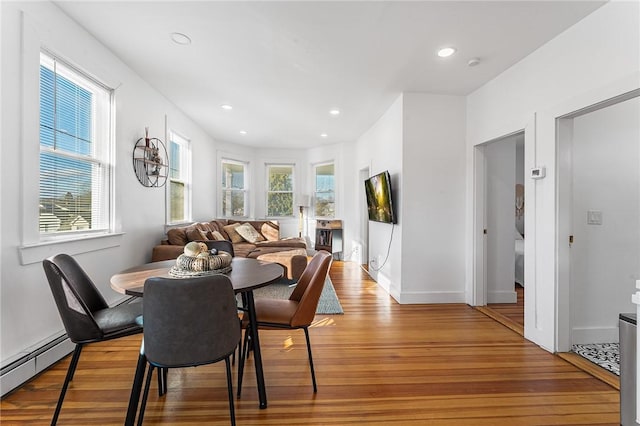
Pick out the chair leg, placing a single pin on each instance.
(69, 377)
(145, 394)
(313, 374)
(162, 381)
(241, 360)
(230, 390)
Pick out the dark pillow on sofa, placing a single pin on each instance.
(195, 234)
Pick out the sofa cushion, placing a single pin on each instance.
(243, 249)
(293, 242)
(249, 233)
(234, 237)
(271, 231)
(177, 236)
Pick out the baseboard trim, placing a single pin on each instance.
(38, 358)
(586, 335)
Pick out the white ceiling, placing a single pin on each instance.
(284, 65)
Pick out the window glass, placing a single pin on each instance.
(74, 163)
(325, 203)
(279, 190)
(179, 179)
(234, 192)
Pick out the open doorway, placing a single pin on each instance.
(503, 232)
(364, 220)
(598, 236)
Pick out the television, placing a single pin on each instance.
(379, 198)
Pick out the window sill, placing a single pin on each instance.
(36, 253)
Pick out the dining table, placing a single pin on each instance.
(246, 274)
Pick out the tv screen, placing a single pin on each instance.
(379, 198)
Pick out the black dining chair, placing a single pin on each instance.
(220, 245)
(86, 316)
(189, 322)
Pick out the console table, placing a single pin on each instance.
(329, 236)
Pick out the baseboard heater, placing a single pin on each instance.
(32, 362)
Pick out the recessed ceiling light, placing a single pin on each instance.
(473, 62)
(445, 52)
(243, 132)
(180, 38)
(226, 106)
(334, 112)
(324, 135)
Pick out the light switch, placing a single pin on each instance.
(594, 217)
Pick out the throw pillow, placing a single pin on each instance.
(215, 235)
(249, 233)
(177, 236)
(233, 235)
(195, 234)
(270, 231)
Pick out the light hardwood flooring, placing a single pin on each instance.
(380, 363)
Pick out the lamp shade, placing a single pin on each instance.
(303, 200)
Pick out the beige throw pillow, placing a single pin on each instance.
(215, 235)
(249, 233)
(233, 235)
(270, 231)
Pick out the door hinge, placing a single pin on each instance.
(570, 239)
(484, 231)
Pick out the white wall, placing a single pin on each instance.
(606, 257)
(500, 218)
(433, 202)
(596, 59)
(380, 148)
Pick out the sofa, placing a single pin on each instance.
(250, 238)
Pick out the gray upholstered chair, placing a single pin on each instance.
(220, 245)
(189, 322)
(86, 316)
(296, 312)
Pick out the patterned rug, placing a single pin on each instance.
(328, 304)
(606, 355)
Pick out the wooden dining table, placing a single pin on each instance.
(245, 275)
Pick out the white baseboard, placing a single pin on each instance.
(33, 365)
(502, 297)
(423, 297)
(584, 335)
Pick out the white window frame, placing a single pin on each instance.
(244, 190)
(268, 167)
(102, 154)
(315, 189)
(185, 178)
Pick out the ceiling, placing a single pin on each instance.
(283, 65)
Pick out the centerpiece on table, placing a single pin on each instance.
(197, 260)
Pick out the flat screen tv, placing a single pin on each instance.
(379, 198)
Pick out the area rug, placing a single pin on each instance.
(606, 355)
(328, 304)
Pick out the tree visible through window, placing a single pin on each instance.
(325, 203)
(234, 193)
(74, 150)
(279, 190)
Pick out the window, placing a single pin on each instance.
(75, 148)
(234, 191)
(279, 190)
(325, 197)
(179, 178)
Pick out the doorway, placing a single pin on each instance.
(503, 229)
(364, 174)
(598, 235)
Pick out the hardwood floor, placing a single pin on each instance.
(379, 363)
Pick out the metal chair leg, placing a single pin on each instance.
(69, 377)
(242, 359)
(313, 374)
(145, 394)
(230, 390)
